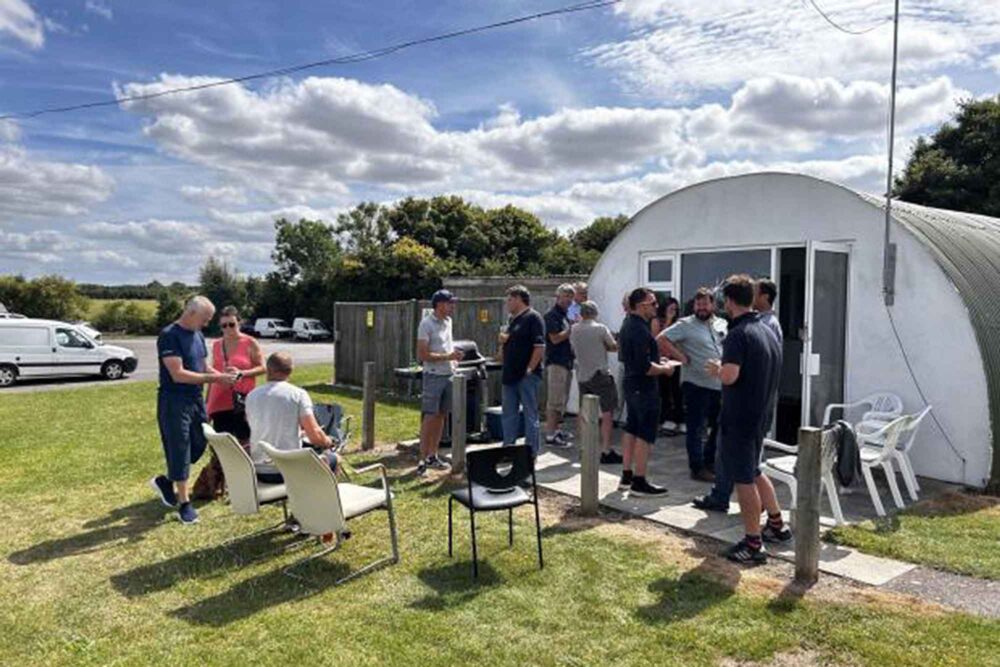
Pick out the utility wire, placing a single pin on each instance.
(358, 57)
(841, 28)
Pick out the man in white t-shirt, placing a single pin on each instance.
(280, 414)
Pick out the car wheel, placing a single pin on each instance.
(112, 370)
(8, 375)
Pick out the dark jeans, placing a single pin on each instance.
(671, 398)
(701, 406)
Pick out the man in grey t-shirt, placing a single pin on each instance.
(591, 343)
(436, 350)
(694, 341)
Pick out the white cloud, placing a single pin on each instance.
(34, 187)
(994, 62)
(20, 21)
(9, 131)
(259, 224)
(102, 9)
(225, 195)
(680, 47)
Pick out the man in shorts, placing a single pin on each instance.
(640, 355)
(591, 343)
(436, 350)
(749, 370)
(180, 407)
(558, 366)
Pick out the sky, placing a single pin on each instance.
(571, 117)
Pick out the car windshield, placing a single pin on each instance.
(280, 323)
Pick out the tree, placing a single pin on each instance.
(168, 308)
(958, 168)
(48, 297)
(518, 234)
(307, 249)
(222, 284)
(599, 234)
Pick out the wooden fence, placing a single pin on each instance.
(386, 333)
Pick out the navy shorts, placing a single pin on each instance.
(642, 412)
(180, 418)
(741, 457)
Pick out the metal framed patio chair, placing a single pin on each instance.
(323, 506)
(495, 477)
(333, 422)
(782, 469)
(881, 406)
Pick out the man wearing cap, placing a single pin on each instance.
(436, 350)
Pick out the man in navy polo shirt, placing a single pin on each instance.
(180, 407)
(749, 371)
(522, 345)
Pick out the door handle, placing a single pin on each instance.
(814, 364)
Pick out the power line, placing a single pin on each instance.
(358, 57)
(841, 28)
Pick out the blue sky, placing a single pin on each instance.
(593, 113)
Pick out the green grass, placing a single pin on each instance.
(96, 306)
(956, 532)
(93, 572)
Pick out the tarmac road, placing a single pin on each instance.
(145, 350)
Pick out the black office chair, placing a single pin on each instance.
(495, 476)
(331, 419)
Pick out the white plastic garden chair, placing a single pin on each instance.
(881, 406)
(879, 449)
(323, 506)
(782, 469)
(902, 452)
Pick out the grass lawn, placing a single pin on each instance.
(96, 306)
(957, 532)
(95, 572)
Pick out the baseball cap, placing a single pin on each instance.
(442, 295)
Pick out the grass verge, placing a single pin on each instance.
(95, 571)
(957, 532)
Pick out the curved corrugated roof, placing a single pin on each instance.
(967, 247)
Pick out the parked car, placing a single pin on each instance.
(247, 327)
(89, 329)
(308, 328)
(272, 327)
(46, 348)
(12, 316)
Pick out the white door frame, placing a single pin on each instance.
(807, 364)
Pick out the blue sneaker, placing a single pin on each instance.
(165, 489)
(187, 514)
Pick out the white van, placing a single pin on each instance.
(308, 328)
(32, 348)
(272, 327)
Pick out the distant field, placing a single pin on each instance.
(96, 306)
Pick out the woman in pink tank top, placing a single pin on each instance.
(239, 352)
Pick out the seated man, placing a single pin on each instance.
(279, 413)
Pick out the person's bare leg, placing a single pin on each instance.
(640, 457)
(628, 448)
(607, 426)
(436, 431)
(551, 421)
(749, 507)
(768, 498)
(182, 491)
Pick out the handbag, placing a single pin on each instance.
(239, 397)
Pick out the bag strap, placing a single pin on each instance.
(225, 363)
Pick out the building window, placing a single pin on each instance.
(658, 272)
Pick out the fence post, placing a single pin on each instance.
(458, 417)
(368, 409)
(806, 512)
(590, 438)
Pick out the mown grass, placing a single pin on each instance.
(96, 306)
(955, 532)
(95, 572)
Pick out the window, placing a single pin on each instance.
(24, 337)
(70, 338)
(658, 272)
(709, 269)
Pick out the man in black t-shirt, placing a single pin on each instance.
(522, 344)
(749, 371)
(558, 366)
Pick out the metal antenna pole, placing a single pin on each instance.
(888, 248)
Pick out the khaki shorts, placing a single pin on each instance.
(603, 386)
(558, 379)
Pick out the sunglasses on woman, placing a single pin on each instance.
(227, 325)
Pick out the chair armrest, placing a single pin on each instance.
(383, 473)
(347, 428)
(780, 446)
(833, 406)
(873, 415)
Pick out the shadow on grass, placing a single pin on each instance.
(454, 585)
(128, 524)
(200, 564)
(700, 588)
(390, 400)
(788, 599)
(256, 594)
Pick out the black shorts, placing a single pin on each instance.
(642, 406)
(741, 457)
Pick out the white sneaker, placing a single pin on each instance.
(682, 428)
(669, 425)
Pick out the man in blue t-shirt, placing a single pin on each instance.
(180, 407)
(749, 370)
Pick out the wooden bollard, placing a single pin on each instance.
(368, 408)
(458, 421)
(590, 451)
(806, 512)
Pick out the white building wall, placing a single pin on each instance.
(777, 209)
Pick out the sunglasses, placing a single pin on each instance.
(227, 325)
